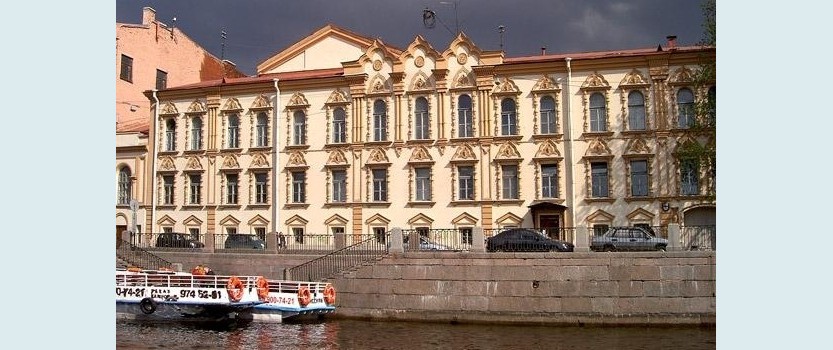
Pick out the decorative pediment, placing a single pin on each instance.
(193, 164)
(377, 219)
(261, 102)
(167, 163)
(509, 219)
(464, 153)
(335, 220)
(595, 81)
(508, 151)
(681, 76)
(298, 100)
(166, 221)
(460, 49)
(598, 147)
(641, 215)
(377, 156)
(192, 221)
(420, 219)
(463, 79)
(547, 149)
(420, 155)
(417, 48)
(232, 104)
(296, 159)
(196, 107)
(464, 219)
(687, 146)
(506, 86)
(230, 162)
(378, 85)
(634, 79)
(296, 220)
(600, 216)
(421, 82)
(637, 146)
(336, 158)
(545, 84)
(229, 220)
(337, 97)
(259, 161)
(168, 109)
(258, 221)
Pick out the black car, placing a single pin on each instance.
(525, 240)
(244, 241)
(177, 240)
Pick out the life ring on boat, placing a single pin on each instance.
(235, 288)
(304, 296)
(262, 288)
(200, 270)
(329, 294)
(147, 305)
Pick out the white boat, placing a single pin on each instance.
(165, 295)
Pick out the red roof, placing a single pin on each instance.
(283, 76)
(598, 54)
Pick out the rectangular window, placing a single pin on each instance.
(599, 230)
(168, 187)
(262, 130)
(126, 68)
(598, 171)
(298, 234)
(422, 125)
(689, 177)
(639, 178)
(299, 127)
(299, 184)
(508, 124)
(195, 188)
(161, 80)
(260, 232)
(231, 188)
(379, 234)
(168, 229)
(233, 131)
(339, 131)
(380, 185)
(549, 181)
(466, 235)
(194, 232)
(231, 230)
(380, 127)
(261, 188)
(423, 184)
(465, 176)
(464, 119)
(509, 174)
(547, 121)
(339, 186)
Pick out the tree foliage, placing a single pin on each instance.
(705, 107)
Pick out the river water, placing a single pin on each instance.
(367, 335)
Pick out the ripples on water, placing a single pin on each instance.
(353, 334)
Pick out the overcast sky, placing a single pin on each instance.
(257, 29)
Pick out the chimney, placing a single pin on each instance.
(148, 16)
(543, 51)
(672, 42)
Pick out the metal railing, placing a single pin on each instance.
(698, 237)
(344, 259)
(138, 257)
(153, 242)
(322, 243)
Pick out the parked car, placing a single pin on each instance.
(177, 240)
(525, 240)
(244, 241)
(627, 239)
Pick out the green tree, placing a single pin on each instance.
(705, 152)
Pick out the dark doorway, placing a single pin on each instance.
(551, 224)
(119, 230)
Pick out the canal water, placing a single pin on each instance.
(367, 335)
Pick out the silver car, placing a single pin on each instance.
(627, 239)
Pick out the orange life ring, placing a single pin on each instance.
(329, 294)
(304, 296)
(235, 289)
(262, 288)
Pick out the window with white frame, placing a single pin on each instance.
(380, 121)
(233, 131)
(232, 185)
(339, 194)
(380, 185)
(194, 188)
(339, 126)
(685, 108)
(168, 189)
(423, 184)
(639, 178)
(262, 130)
(299, 128)
(600, 229)
(636, 111)
(508, 121)
(261, 189)
(260, 232)
(464, 116)
(299, 185)
(509, 180)
(421, 119)
(549, 181)
(547, 115)
(465, 182)
(170, 135)
(125, 186)
(196, 133)
(466, 235)
(599, 179)
(689, 177)
(598, 112)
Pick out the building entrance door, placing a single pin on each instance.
(552, 225)
(119, 230)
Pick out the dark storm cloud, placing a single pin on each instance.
(257, 29)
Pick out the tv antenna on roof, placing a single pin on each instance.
(501, 28)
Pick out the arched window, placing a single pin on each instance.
(464, 119)
(547, 115)
(233, 131)
(380, 121)
(422, 119)
(339, 126)
(299, 128)
(636, 111)
(125, 186)
(685, 108)
(598, 113)
(508, 123)
(196, 133)
(262, 130)
(170, 135)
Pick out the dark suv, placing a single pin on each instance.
(525, 240)
(177, 240)
(244, 241)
